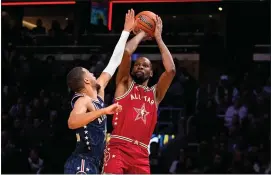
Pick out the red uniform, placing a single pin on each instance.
(127, 150)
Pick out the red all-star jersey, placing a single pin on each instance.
(138, 117)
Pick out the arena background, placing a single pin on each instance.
(215, 117)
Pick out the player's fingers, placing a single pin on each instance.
(160, 20)
(133, 13)
(156, 18)
(129, 15)
(118, 110)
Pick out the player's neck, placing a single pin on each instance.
(92, 93)
(144, 84)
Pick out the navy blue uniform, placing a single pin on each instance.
(88, 154)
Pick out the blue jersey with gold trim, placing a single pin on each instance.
(91, 138)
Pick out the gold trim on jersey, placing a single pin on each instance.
(129, 140)
(78, 137)
(127, 92)
(154, 94)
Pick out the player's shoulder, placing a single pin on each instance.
(125, 82)
(153, 87)
(124, 87)
(84, 99)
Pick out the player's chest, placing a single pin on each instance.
(99, 122)
(138, 110)
(139, 96)
(91, 132)
(96, 127)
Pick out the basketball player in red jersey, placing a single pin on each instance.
(127, 150)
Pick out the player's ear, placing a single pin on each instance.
(86, 80)
(151, 73)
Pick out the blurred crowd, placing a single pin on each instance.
(228, 133)
(225, 129)
(72, 35)
(39, 35)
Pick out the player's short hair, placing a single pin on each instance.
(75, 79)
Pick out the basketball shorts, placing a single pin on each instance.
(77, 164)
(122, 157)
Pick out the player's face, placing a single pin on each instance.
(142, 70)
(89, 78)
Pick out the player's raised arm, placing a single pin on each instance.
(79, 118)
(124, 68)
(167, 76)
(117, 55)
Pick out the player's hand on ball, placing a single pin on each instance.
(158, 28)
(129, 20)
(146, 36)
(142, 32)
(137, 30)
(112, 109)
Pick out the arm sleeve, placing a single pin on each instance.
(117, 55)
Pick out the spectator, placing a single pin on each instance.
(18, 110)
(35, 162)
(225, 93)
(178, 166)
(55, 33)
(101, 28)
(39, 29)
(69, 29)
(237, 111)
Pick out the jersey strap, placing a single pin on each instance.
(75, 97)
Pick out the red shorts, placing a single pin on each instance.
(123, 157)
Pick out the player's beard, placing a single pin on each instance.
(139, 80)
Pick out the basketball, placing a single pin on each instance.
(146, 22)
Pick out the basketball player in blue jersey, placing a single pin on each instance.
(88, 116)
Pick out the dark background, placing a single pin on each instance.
(198, 110)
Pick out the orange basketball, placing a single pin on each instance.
(146, 22)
